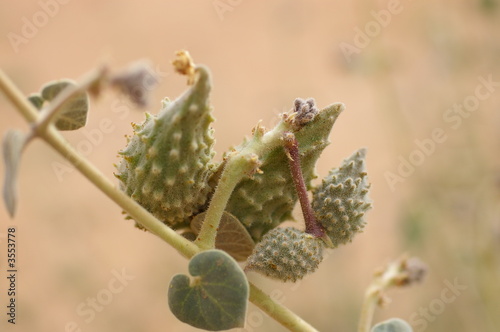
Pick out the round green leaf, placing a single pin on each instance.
(392, 325)
(215, 298)
(74, 113)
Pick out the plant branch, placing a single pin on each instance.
(401, 272)
(374, 295)
(368, 310)
(280, 313)
(237, 166)
(17, 98)
(136, 211)
(57, 141)
(244, 162)
(50, 113)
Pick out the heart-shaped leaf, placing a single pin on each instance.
(36, 100)
(232, 236)
(215, 298)
(74, 114)
(392, 325)
(13, 144)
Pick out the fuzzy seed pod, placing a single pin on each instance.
(267, 199)
(341, 201)
(167, 162)
(287, 254)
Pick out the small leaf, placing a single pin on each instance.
(188, 235)
(232, 236)
(216, 298)
(74, 113)
(13, 144)
(36, 100)
(392, 325)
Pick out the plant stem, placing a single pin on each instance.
(240, 163)
(136, 211)
(367, 311)
(374, 294)
(292, 149)
(280, 313)
(17, 98)
(235, 169)
(55, 139)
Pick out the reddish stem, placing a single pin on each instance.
(292, 149)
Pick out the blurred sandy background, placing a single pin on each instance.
(263, 55)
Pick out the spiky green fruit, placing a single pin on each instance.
(287, 254)
(167, 163)
(267, 199)
(341, 201)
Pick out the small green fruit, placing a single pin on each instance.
(287, 254)
(166, 165)
(341, 201)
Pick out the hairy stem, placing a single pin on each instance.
(283, 315)
(17, 98)
(236, 167)
(392, 275)
(367, 311)
(55, 139)
(240, 163)
(280, 313)
(292, 149)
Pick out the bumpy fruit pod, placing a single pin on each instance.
(267, 199)
(287, 254)
(167, 162)
(341, 201)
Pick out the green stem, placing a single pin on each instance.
(240, 163)
(368, 310)
(374, 294)
(136, 211)
(55, 139)
(235, 169)
(280, 313)
(17, 98)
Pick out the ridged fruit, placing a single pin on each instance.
(341, 201)
(167, 162)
